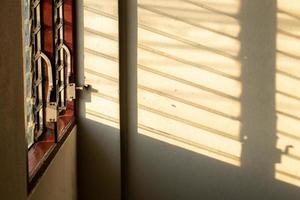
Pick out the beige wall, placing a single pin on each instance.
(217, 101)
(60, 180)
(212, 99)
(189, 75)
(12, 125)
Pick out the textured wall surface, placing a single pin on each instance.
(60, 179)
(212, 100)
(12, 124)
(217, 100)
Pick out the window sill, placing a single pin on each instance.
(42, 153)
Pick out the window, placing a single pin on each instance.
(50, 88)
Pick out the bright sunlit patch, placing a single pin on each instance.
(287, 96)
(219, 16)
(103, 109)
(188, 84)
(108, 6)
(101, 67)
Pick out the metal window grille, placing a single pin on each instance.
(42, 108)
(62, 58)
(37, 70)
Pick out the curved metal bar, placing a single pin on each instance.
(50, 77)
(68, 52)
(70, 92)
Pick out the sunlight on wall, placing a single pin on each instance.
(287, 95)
(101, 67)
(188, 75)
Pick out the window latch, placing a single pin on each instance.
(84, 87)
(51, 112)
(71, 90)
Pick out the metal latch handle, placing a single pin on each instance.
(83, 87)
(66, 49)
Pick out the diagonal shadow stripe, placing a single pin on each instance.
(288, 115)
(115, 38)
(288, 95)
(184, 101)
(173, 117)
(289, 14)
(165, 75)
(161, 53)
(184, 21)
(289, 135)
(279, 30)
(172, 136)
(188, 42)
(216, 92)
(292, 76)
(190, 123)
(203, 6)
(288, 54)
(168, 135)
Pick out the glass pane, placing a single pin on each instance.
(28, 75)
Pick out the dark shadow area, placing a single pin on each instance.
(258, 116)
(163, 171)
(98, 165)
